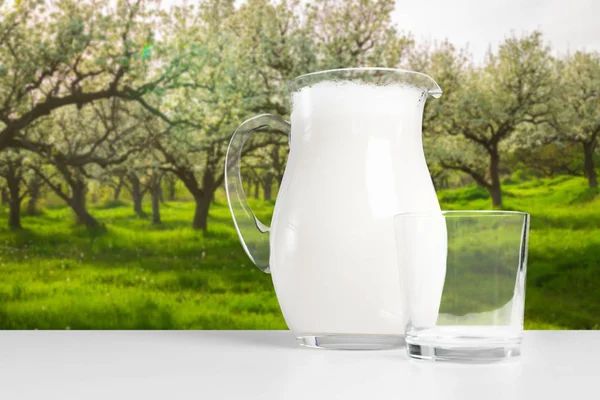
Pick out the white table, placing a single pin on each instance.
(267, 365)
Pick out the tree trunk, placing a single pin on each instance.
(35, 186)
(156, 194)
(14, 219)
(201, 213)
(172, 183)
(14, 201)
(268, 186)
(5, 195)
(161, 195)
(495, 188)
(136, 194)
(435, 179)
(137, 203)
(590, 168)
(118, 189)
(77, 203)
(256, 188)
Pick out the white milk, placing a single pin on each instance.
(356, 160)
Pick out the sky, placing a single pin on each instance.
(569, 25)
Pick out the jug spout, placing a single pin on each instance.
(418, 80)
(431, 87)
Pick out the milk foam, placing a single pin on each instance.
(351, 98)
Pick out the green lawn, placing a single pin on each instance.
(54, 275)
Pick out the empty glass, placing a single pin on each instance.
(463, 278)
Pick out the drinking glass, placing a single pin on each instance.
(463, 279)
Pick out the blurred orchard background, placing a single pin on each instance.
(115, 117)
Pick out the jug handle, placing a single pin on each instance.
(253, 234)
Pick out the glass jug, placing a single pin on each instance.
(356, 160)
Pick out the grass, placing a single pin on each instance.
(132, 275)
(564, 248)
(54, 275)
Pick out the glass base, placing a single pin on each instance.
(351, 342)
(468, 354)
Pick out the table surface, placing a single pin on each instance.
(268, 365)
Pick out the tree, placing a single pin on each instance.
(274, 173)
(75, 144)
(12, 169)
(266, 166)
(576, 108)
(211, 102)
(155, 188)
(118, 187)
(128, 175)
(72, 53)
(512, 89)
(34, 186)
(171, 181)
(180, 157)
(547, 160)
(283, 43)
(143, 174)
(283, 47)
(356, 33)
(136, 189)
(5, 195)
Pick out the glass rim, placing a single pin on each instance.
(427, 83)
(462, 213)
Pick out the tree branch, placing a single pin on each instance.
(51, 185)
(480, 179)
